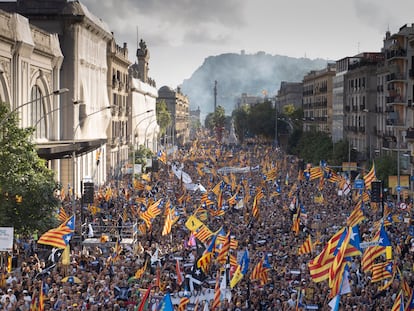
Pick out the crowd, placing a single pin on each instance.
(105, 276)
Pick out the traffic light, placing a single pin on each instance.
(376, 191)
(88, 192)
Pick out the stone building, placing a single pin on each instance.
(143, 128)
(30, 64)
(118, 90)
(289, 93)
(317, 99)
(178, 106)
(83, 41)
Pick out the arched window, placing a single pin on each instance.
(38, 113)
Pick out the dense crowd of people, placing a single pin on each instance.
(109, 275)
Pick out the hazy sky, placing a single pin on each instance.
(180, 34)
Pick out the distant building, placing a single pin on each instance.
(118, 91)
(249, 100)
(178, 106)
(143, 127)
(360, 91)
(317, 99)
(289, 93)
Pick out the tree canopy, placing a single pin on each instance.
(27, 187)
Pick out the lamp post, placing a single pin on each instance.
(57, 92)
(50, 112)
(74, 152)
(146, 131)
(133, 135)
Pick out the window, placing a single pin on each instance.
(37, 116)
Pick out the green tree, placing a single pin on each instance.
(262, 120)
(241, 122)
(27, 186)
(385, 165)
(163, 117)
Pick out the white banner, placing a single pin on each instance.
(6, 239)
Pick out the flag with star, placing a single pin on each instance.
(59, 237)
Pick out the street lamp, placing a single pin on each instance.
(133, 137)
(50, 112)
(74, 151)
(57, 92)
(146, 131)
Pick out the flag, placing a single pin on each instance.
(217, 294)
(241, 269)
(335, 269)
(41, 299)
(306, 247)
(256, 201)
(356, 216)
(193, 223)
(296, 222)
(261, 270)
(344, 288)
(60, 236)
(382, 271)
(62, 216)
(144, 300)
(162, 156)
(165, 304)
(183, 303)
(205, 260)
(178, 272)
(370, 177)
(224, 251)
(140, 272)
(169, 220)
(410, 305)
(116, 251)
(399, 302)
(203, 234)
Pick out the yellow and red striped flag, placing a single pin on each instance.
(370, 177)
(306, 247)
(217, 294)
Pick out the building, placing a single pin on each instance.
(317, 99)
(398, 71)
(249, 100)
(83, 40)
(118, 91)
(143, 127)
(195, 122)
(360, 92)
(289, 93)
(30, 64)
(178, 106)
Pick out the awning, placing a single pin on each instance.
(53, 150)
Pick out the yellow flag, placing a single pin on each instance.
(66, 256)
(193, 223)
(237, 276)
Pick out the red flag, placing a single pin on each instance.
(144, 299)
(178, 271)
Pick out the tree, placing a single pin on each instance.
(262, 120)
(27, 186)
(241, 124)
(163, 117)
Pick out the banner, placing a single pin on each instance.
(6, 239)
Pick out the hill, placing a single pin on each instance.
(243, 73)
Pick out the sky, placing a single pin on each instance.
(180, 34)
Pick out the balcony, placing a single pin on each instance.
(409, 136)
(396, 76)
(395, 53)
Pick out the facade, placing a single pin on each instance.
(398, 50)
(289, 93)
(30, 63)
(178, 106)
(118, 90)
(249, 100)
(317, 99)
(143, 128)
(360, 92)
(195, 122)
(83, 41)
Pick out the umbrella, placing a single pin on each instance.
(72, 279)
